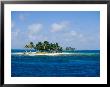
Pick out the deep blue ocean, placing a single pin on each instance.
(85, 64)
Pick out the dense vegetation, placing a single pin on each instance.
(70, 49)
(45, 47)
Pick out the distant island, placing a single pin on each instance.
(70, 49)
(46, 47)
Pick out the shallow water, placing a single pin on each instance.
(79, 65)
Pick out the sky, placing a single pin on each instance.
(77, 29)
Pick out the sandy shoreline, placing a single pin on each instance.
(39, 53)
(52, 54)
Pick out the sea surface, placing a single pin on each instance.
(85, 64)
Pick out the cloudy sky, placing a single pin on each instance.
(79, 29)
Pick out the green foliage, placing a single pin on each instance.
(70, 49)
(45, 47)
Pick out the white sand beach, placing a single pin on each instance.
(52, 54)
(40, 53)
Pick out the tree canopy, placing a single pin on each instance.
(45, 47)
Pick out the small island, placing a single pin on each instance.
(70, 49)
(44, 48)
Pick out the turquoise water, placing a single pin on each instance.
(82, 63)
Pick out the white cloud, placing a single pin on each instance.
(59, 26)
(18, 38)
(37, 38)
(81, 36)
(33, 30)
(73, 33)
(77, 34)
(15, 34)
(74, 36)
(22, 17)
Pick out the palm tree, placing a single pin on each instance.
(26, 46)
(53, 47)
(30, 45)
(46, 45)
(60, 49)
(39, 46)
(56, 47)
